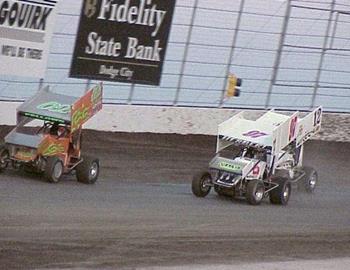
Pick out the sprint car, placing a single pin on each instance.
(54, 146)
(261, 158)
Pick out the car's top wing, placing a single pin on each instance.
(244, 132)
(272, 131)
(47, 106)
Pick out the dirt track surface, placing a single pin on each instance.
(142, 213)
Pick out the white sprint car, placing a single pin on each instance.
(268, 157)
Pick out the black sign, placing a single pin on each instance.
(122, 40)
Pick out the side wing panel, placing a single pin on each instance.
(86, 107)
(308, 126)
(284, 133)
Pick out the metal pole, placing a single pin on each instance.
(234, 41)
(334, 30)
(41, 83)
(324, 49)
(189, 36)
(279, 53)
(131, 93)
(87, 87)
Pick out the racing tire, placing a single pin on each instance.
(54, 169)
(88, 170)
(309, 181)
(281, 194)
(4, 156)
(255, 192)
(200, 182)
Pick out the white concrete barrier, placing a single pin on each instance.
(126, 118)
(337, 263)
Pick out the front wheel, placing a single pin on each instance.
(280, 195)
(201, 184)
(54, 169)
(255, 192)
(88, 170)
(309, 181)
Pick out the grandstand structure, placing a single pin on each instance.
(291, 54)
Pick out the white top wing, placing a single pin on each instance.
(247, 130)
(271, 131)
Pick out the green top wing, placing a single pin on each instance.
(47, 106)
(62, 109)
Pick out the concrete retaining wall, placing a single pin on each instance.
(124, 118)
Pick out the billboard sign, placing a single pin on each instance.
(122, 40)
(25, 33)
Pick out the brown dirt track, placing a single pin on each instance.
(141, 211)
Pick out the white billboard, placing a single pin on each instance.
(26, 28)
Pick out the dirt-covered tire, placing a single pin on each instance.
(200, 182)
(309, 181)
(4, 156)
(88, 170)
(54, 169)
(281, 194)
(255, 192)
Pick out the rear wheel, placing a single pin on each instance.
(201, 184)
(309, 181)
(280, 195)
(4, 157)
(255, 192)
(54, 169)
(88, 170)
